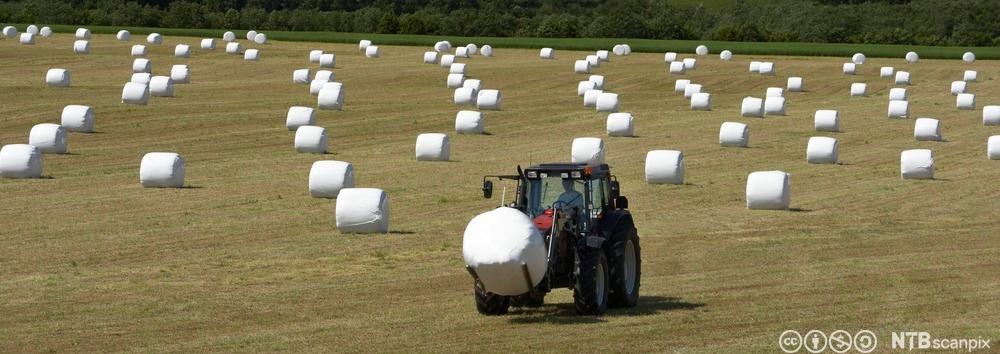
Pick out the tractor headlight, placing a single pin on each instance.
(532, 174)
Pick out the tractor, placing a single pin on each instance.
(592, 246)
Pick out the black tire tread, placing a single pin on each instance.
(488, 303)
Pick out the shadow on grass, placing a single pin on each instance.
(800, 210)
(190, 186)
(401, 232)
(565, 313)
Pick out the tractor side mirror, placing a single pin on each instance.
(621, 202)
(616, 190)
(487, 189)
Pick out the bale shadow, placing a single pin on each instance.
(191, 186)
(565, 313)
(486, 133)
(401, 232)
(800, 210)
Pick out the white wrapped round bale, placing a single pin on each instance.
(898, 93)
(208, 43)
(665, 167)
(489, 100)
(142, 78)
(9, 31)
(142, 65)
(229, 36)
(774, 106)
(581, 67)
(958, 87)
(465, 95)
(969, 57)
(433, 147)
(250, 35)
(547, 53)
(676, 67)
(585, 86)
(826, 120)
(49, 138)
(328, 60)
(886, 72)
(260, 38)
(20, 161)
(182, 51)
(590, 98)
(621, 124)
(927, 129)
(486, 51)
(331, 96)
(316, 85)
(733, 134)
(455, 80)
(442, 47)
(858, 58)
(430, 57)
(314, 56)
(965, 101)
(81, 47)
(775, 92)
(462, 52)
(471, 49)
(373, 52)
(691, 89)
(598, 80)
(180, 74)
(992, 148)
(859, 89)
(161, 170)
(77, 118)
(469, 122)
(325, 75)
(33, 29)
(135, 93)
(233, 48)
(912, 57)
(473, 83)
(301, 76)
(299, 116)
(766, 68)
(161, 86)
(607, 102)
(794, 84)
(57, 78)
(124, 36)
(752, 107)
(726, 55)
(701, 101)
(689, 63)
(755, 67)
(82, 33)
(364, 44)
(899, 109)
(681, 84)
(902, 78)
(138, 50)
(768, 190)
(593, 61)
(970, 75)
(495, 246)
(822, 150)
(622, 49)
(457, 68)
(991, 115)
(27, 38)
(916, 164)
(328, 178)
(311, 139)
(701, 50)
(447, 60)
(669, 57)
(45, 32)
(251, 55)
(850, 68)
(154, 38)
(587, 150)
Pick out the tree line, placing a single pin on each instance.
(915, 22)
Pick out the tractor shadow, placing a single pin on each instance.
(565, 313)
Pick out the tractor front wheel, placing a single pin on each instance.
(488, 303)
(626, 269)
(590, 293)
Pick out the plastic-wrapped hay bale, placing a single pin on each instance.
(581, 67)
(233, 48)
(899, 109)
(701, 50)
(691, 89)
(182, 51)
(607, 102)
(138, 50)
(970, 75)
(325, 75)
(858, 58)
(912, 57)
(625, 49)
(701, 101)
(469, 122)
(328, 178)
(260, 38)
(767, 68)
(250, 35)
(958, 87)
(447, 60)
(462, 52)
(142, 78)
(774, 106)
(161, 86)
(775, 92)
(755, 67)
(161, 170)
(316, 85)
(497, 244)
(590, 98)
(299, 116)
(752, 107)
(473, 83)
(547, 53)
(442, 46)
(456, 68)
(598, 81)
(689, 63)
(229, 36)
(898, 93)
(681, 84)
(850, 68)
(966, 101)
(593, 61)
(489, 100)
(328, 60)
(315, 55)
(81, 47)
(208, 43)
(916, 164)
(430, 57)
(9, 31)
(669, 57)
(455, 80)
(603, 55)
(180, 74)
(27, 38)
(331, 96)
(726, 55)
(433, 147)
(77, 118)
(665, 167)
(927, 129)
(142, 65)
(301, 76)
(676, 67)
(251, 55)
(486, 51)
(993, 147)
(827, 120)
(902, 78)
(364, 44)
(465, 95)
(887, 72)
(45, 32)
(373, 52)
(991, 115)
(969, 57)
(57, 78)
(768, 190)
(821, 150)
(311, 139)
(471, 49)
(587, 150)
(859, 89)
(82, 33)
(135, 93)
(621, 124)
(154, 38)
(733, 134)
(49, 138)
(33, 29)
(794, 84)
(585, 86)
(20, 161)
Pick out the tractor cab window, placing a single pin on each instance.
(598, 196)
(555, 192)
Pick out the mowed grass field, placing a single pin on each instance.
(245, 260)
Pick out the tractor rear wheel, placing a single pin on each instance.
(626, 269)
(488, 303)
(590, 293)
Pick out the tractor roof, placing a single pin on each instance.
(598, 169)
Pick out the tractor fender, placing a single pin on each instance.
(614, 222)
